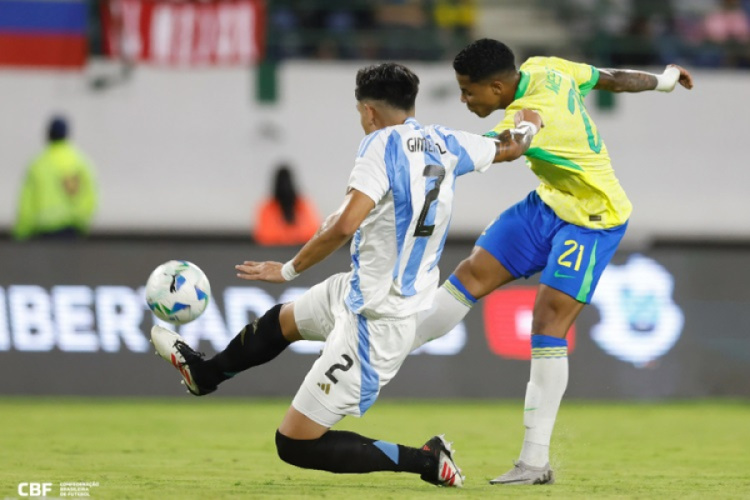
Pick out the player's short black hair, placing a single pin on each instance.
(390, 82)
(484, 58)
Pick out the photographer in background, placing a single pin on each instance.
(58, 198)
(286, 218)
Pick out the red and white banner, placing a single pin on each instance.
(164, 32)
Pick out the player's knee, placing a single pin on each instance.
(285, 448)
(287, 323)
(550, 322)
(468, 275)
(275, 323)
(293, 451)
(475, 278)
(270, 320)
(554, 312)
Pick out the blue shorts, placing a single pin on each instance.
(529, 237)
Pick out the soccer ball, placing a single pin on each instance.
(177, 292)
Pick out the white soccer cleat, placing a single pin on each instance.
(173, 349)
(521, 473)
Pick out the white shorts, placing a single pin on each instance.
(360, 355)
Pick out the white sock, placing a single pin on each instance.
(452, 303)
(544, 392)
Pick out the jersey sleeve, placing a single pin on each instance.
(369, 174)
(585, 75)
(475, 152)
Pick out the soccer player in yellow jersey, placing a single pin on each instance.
(567, 229)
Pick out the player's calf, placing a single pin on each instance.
(257, 343)
(346, 452)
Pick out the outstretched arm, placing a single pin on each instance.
(512, 143)
(628, 80)
(337, 229)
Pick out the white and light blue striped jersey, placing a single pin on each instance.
(410, 172)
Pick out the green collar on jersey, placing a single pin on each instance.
(523, 85)
(585, 88)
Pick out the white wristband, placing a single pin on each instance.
(667, 80)
(527, 125)
(288, 272)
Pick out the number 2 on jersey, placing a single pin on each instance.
(595, 140)
(438, 173)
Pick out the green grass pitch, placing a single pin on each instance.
(214, 448)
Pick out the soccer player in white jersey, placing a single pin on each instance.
(396, 211)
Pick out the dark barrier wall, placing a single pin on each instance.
(668, 323)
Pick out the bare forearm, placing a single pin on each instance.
(326, 240)
(335, 231)
(625, 80)
(511, 145)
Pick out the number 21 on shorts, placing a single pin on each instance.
(572, 256)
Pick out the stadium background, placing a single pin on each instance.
(185, 142)
(186, 107)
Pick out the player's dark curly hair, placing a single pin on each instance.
(390, 82)
(484, 58)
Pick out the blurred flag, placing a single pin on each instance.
(45, 33)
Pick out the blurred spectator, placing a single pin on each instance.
(728, 23)
(322, 30)
(725, 36)
(287, 218)
(636, 47)
(648, 36)
(59, 197)
(456, 18)
(406, 29)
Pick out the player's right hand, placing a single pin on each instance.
(686, 79)
(268, 271)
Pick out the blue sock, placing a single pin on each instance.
(545, 346)
(459, 291)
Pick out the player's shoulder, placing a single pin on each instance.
(449, 135)
(372, 141)
(551, 62)
(375, 142)
(440, 130)
(534, 62)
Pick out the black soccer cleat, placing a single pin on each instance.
(447, 472)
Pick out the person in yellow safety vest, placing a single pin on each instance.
(59, 196)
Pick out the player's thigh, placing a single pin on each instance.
(578, 257)
(360, 356)
(297, 425)
(519, 238)
(315, 310)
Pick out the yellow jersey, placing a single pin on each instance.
(568, 155)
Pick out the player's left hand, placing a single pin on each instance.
(268, 271)
(686, 79)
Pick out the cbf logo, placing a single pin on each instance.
(34, 489)
(640, 321)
